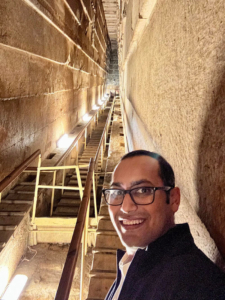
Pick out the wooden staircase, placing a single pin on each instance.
(13, 208)
(19, 200)
(59, 228)
(69, 203)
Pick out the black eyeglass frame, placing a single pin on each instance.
(167, 189)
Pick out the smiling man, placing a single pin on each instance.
(161, 261)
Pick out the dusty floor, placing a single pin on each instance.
(43, 265)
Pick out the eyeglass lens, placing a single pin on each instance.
(143, 195)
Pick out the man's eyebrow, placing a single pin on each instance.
(133, 183)
(119, 184)
(141, 181)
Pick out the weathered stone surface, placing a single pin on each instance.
(43, 265)
(11, 254)
(51, 75)
(172, 75)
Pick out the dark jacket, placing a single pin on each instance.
(172, 268)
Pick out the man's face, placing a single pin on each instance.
(139, 225)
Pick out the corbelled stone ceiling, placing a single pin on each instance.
(111, 8)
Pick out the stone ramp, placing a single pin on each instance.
(103, 272)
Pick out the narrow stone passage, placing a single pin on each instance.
(103, 271)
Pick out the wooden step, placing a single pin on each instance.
(14, 207)
(74, 182)
(24, 188)
(70, 194)
(7, 227)
(21, 192)
(19, 197)
(83, 174)
(69, 211)
(17, 201)
(27, 183)
(12, 213)
(7, 220)
(71, 202)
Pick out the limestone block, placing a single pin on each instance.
(108, 241)
(172, 91)
(98, 288)
(104, 262)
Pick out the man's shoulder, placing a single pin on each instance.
(186, 276)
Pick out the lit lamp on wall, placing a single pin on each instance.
(15, 287)
(86, 118)
(95, 107)
(65, 141)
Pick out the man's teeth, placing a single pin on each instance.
(132, 222)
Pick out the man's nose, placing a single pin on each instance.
(128, 204)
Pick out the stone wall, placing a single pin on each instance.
(112, 80)
(172, 62)
(53, 70)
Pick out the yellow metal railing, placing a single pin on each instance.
(79, 231)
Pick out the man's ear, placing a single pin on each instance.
(175, 199)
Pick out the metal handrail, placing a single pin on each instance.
(69, 267)
(15, 173)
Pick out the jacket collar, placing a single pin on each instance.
(175, 241)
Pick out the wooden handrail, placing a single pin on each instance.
(15, 173)
(69, 267)
(106, 124)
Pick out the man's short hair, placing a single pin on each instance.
(165, 170)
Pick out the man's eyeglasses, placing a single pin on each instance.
(141, 195)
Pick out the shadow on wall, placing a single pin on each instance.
(211, 169)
